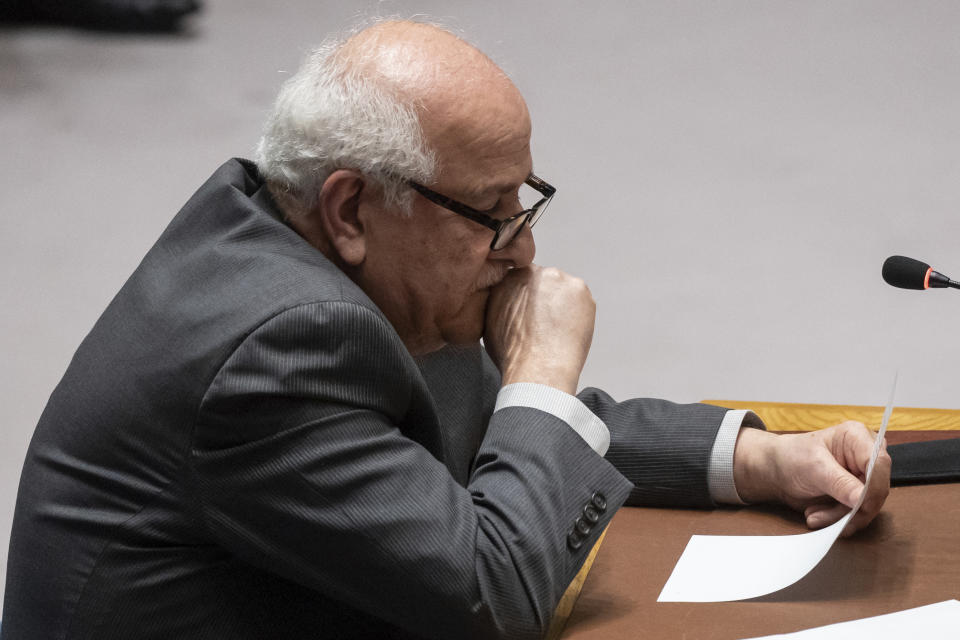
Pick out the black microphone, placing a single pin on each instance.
(908, 273)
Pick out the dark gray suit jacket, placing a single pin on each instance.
(242, 448)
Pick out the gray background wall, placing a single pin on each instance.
(731, 176)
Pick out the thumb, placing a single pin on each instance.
(842, 486)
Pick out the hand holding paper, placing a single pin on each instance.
(820, 473)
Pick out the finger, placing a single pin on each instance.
(851, 528)
(877, 492)
(857, 442)
(851, 445)
(821, 516)
(876, 495)
(838, 483)
(819, 505)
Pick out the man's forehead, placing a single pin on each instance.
(485, 175)
(487, 182)
(484, 145)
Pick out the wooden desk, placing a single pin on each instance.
(909, 556)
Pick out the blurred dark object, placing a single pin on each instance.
(925, 462)
(106, 15)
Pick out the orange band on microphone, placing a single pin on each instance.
(926, 278)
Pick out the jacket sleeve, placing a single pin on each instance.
(303, 467)
(662, 447)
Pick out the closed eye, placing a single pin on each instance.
(504, 208)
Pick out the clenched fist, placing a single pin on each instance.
(539, 327)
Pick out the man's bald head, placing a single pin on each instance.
(391, 100)
(423, 63)
(459, 93)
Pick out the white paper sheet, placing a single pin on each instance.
(940, 621)
(724, 568)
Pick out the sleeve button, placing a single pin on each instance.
(599, 501)
(582, 526)
(591, 514)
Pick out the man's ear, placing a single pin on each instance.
(337, 213)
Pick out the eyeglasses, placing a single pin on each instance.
(504, 230)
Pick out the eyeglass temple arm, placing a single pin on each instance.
(457, 207)
(540, 185)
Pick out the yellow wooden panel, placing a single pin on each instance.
(787, 416)
(565, 606)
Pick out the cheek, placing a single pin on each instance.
(462, 266)
(448, 262)
(461, 302)
(456, 296)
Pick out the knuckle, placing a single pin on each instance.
(838, 486)
(840, 483)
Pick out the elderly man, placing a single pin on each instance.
(284, 425)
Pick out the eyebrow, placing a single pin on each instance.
(498, 188)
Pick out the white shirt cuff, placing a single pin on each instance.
(720, 471)
(562, 405)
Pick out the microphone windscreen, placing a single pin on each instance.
(906, 273)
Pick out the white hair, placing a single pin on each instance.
(328, 116)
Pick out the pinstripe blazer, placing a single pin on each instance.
(243, 448)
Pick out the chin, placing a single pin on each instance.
(467, 326)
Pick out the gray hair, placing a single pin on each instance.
(328, 116)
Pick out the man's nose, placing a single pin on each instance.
(521, 249)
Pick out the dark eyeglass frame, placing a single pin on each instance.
(504, 230)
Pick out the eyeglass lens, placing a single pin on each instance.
(508, 231)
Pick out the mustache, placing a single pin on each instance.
(492, 276)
